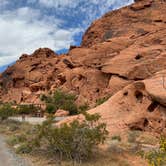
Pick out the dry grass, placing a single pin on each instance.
(99, 159)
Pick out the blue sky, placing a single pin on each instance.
(26, 25)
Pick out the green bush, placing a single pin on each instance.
(60, 100)
(6, 111)
(23, 148)
(157, 157)
(83, 108)
(26, 109)
(50, 108)
(75, 141)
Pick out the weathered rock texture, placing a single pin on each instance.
(123, 55)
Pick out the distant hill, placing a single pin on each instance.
(3, 68)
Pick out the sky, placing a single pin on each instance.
(26, 25)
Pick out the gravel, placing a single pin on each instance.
(8, 157)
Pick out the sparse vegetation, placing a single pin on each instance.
(102, 100)
(16, 139)
(133, 135)
(6, 111)
(157, 157)
(24, 138)
(74, 141)
(84, 107)
(60, 100)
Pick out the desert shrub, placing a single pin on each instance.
(60, 100)
(133, 135)
(24, 148)
(6, 111)
(157, 157)
(115, 148)
(13, 127)
(75, 141)
(163, 144)
(16, 139)
(83, 108)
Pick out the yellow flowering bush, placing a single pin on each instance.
(157, 157)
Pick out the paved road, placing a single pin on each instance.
(8, 158)
(34, 120)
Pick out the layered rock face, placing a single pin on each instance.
(123, 55)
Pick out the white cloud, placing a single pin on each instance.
(59, 3)
(73, 3)
(90, 8)
(24, 30)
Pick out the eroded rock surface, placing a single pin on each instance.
(123, 55)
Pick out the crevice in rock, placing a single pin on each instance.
(137, 128)
(62, 79)
(138, 56)
(68, 63)
(139, 96)
(125, 93)
(125, 78)
(153, 106)
(146, 122)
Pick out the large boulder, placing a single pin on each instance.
(156, 87)
(61, 113)
(132, 108)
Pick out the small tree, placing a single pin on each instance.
(26, 109)
(60, 100)
(6, 111)
(50, 108)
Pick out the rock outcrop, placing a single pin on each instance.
(123, 55)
